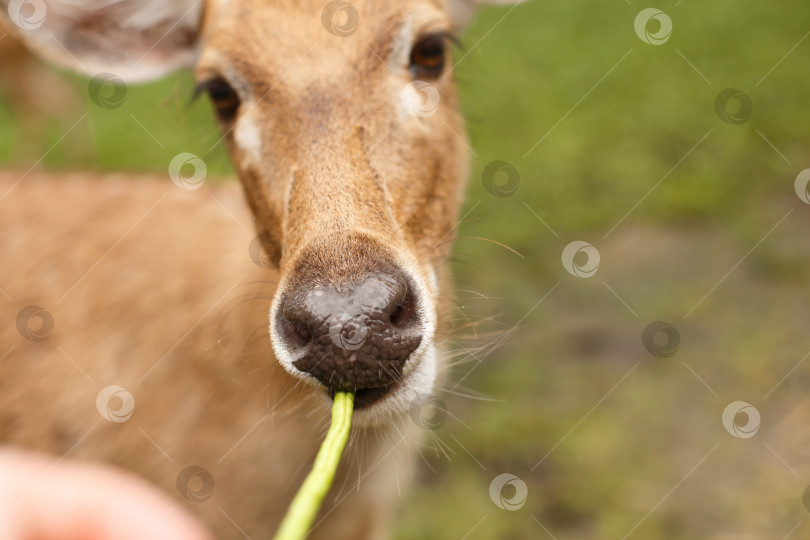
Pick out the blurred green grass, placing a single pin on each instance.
(612, 428)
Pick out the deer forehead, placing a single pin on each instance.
(291, 45)
(283, 57)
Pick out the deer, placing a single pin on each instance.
(139, 328)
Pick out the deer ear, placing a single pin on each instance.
(461, 12)
(136, 40)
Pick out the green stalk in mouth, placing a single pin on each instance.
(298, 521)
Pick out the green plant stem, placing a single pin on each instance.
(298, 521)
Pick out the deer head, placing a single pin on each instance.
(343, 123)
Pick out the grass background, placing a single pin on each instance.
(611, 441)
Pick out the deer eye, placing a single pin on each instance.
(226, 101)
(427, 56)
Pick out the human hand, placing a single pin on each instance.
(44, 499)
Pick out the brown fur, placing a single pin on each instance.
(176, 314)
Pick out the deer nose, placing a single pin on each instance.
(355, 335)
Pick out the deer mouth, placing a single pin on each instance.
(365, 397)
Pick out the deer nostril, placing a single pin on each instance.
(302, 332)
(404, 313)
(294, 332)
